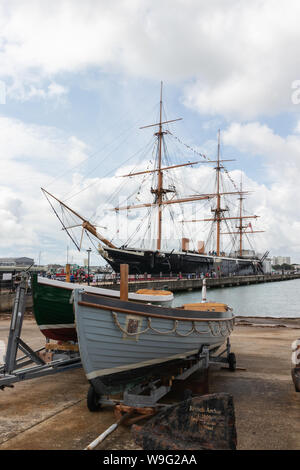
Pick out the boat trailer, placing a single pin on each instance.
(148, 390)
(45, 362)
(170, 423)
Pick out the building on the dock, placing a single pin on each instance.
(279, 260)
(22, 261)
(296, 266)
(267, 266)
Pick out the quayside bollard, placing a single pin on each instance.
(203, 293)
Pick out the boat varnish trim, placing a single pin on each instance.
(154, 315)
(137, 365)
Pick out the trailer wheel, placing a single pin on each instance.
(231, 361)
(93, 400)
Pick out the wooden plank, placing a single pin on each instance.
(124, 282)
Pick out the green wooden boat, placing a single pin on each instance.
(53, 305)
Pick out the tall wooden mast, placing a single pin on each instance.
(159, 193)
(240, 227)
(218, 211)
(218, 218)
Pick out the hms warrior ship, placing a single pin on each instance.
(163, 261)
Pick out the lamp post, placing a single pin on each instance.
(89, 252)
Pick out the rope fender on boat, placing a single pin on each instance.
(219, 331)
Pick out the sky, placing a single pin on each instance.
(79, 79)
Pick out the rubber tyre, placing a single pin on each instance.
(93, 400)
(232, 361)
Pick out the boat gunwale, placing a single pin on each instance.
(87, 289)
(153, 315)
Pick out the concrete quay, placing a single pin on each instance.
(172, 284)
(50, 413)
(188, 284)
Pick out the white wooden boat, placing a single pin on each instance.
(122, 340)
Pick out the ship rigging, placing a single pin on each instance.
(157, 260)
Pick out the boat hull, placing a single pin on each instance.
(53, 306)
(156, 262)
(119, 338)
(53, 311)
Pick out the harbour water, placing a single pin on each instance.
(271, 299)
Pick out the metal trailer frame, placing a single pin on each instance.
(136, 396)
(14, 369)
(136, 405)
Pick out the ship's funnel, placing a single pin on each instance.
(200, 246)
(185, 244)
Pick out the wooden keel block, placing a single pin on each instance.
(62, 347)
(141, 413)
(46, 356)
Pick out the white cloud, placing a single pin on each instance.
(30, 226)
(281, 154)
(25, 90)
(277, 203)
(297, 128)
(19, 140)
(32, 156)
(77, 151)
(238, 58)
(55, 89)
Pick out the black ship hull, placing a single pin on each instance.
(174, 262)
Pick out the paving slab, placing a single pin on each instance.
(51, 412)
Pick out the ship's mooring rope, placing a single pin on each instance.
(223, 328)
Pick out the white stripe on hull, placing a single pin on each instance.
(56, 327)
(114, 370)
